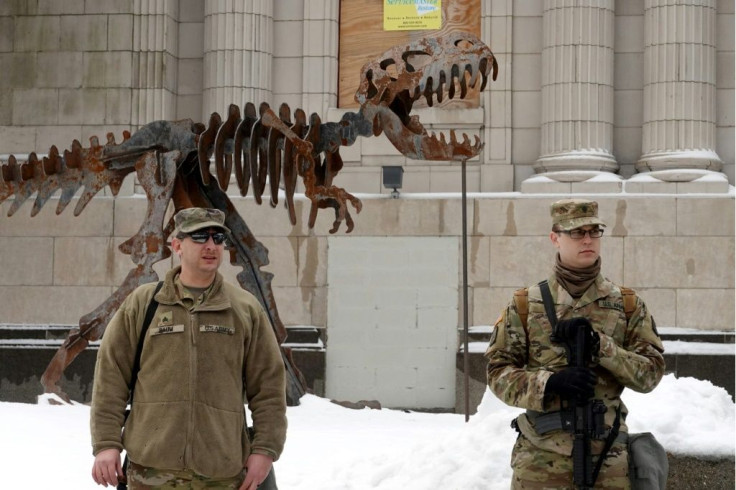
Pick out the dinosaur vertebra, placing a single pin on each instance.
(172, 163)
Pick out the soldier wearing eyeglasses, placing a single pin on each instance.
(209, 346)
(527, 369)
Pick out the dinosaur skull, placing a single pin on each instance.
(429, 68)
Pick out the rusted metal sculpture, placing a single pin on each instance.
(172, 163)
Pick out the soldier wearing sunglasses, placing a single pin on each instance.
(529, 366)
(209, 346)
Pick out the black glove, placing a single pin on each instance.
(572, 382)
(568, 330)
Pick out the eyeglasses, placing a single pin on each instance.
(201, 236)
(578, 234)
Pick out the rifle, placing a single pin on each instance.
(583, 418)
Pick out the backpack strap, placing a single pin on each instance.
(521, 302)
(150, 311)
(549, 303)
(629, 298)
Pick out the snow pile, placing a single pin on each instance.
(335, 448)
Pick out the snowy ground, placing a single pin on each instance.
(331, 447)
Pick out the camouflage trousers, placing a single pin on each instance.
(537, 469)
(143, 478)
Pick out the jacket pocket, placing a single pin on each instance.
(218, 445)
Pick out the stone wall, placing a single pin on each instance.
(80, 68)
(677, 251)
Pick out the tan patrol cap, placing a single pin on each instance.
(193, 219)
(569, 214)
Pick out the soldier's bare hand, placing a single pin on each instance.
(107, 467)
(257, 468)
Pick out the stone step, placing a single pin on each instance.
(705, 355)
(692, 335)
(11, 335)
(301, 337)
(33, 332)
(26, 350)
(482, 333)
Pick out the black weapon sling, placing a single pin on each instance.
(549, 308)
(150, 311)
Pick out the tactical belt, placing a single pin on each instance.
(551, 421)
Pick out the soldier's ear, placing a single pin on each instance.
(555, 238)
(176, 245)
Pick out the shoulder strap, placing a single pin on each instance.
(549, 304)
(150, 311)
(521, 302)
(629, 298)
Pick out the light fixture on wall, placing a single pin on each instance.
(392, 177)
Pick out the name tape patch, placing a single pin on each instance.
(167, 329)
(217, 329)
(611, 305)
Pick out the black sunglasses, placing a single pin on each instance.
(201, 236)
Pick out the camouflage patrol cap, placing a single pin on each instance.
(569, 214)
(193, 219)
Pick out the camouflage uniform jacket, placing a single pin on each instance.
(198, 361)
(521, 360)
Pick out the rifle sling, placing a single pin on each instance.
(549, 305)
(612, 437)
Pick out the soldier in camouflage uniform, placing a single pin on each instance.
(526, 369)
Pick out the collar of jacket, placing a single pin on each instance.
(601, 288)
(216, 298)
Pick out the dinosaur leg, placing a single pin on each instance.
(156, 174)
(251, 255)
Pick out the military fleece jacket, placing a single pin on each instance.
(521, 360)
(198, 360)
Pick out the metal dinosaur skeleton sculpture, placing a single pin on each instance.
(172, 163)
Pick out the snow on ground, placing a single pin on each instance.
(335, 448)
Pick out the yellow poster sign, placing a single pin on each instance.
(412, 15)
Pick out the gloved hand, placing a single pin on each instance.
(568, 329)
(572, 382)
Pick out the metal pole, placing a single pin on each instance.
(466, 359)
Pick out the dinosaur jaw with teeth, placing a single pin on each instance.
(441, 67)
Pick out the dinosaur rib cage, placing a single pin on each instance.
(260, 146)
(266, 146)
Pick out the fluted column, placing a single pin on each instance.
(577, 86)
(154, 62)
(679, 86)
(238, 52)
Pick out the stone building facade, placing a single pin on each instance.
(627, 102)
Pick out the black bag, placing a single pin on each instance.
(648, 465)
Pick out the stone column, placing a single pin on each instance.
(319, 52)
(679, 130)
(577, 86)
(238, 49)
(155, 57)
